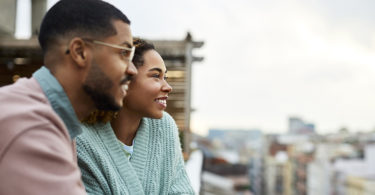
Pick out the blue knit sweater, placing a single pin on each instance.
(156, 165)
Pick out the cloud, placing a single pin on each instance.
(286, 59)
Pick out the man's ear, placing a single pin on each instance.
(79, 51)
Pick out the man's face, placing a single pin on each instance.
(108, 78)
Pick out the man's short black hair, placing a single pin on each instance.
(79, 18)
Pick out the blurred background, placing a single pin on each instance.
(271, 97)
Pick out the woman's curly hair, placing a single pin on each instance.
(141, 47)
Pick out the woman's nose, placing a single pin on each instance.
(167, 87)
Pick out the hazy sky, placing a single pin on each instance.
(268, 60)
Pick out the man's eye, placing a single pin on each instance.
(125, 53)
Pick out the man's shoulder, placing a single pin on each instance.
(24, 91)
(24, 107)
(23, 102)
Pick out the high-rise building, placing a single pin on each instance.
(298, 126)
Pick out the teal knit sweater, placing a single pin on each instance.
(156, 165)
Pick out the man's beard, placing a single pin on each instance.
(97, 86)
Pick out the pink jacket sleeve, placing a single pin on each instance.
(38, 162)
(37, 155)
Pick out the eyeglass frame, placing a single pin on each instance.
(132, 49)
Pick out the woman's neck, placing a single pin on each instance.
(125, 126)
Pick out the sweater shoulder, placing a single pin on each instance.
(163, 131)
(165, 122)
(89, 142)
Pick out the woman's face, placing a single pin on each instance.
(148, 91)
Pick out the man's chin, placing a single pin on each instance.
(108, 107)
(103, 101)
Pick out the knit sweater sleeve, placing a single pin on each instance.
(87, 165)
(180, 181)
(98, 173)
(105, 169)
(91, 184)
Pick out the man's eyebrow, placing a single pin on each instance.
(157, 69)
(127, 44)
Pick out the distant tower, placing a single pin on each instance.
(298, 126)
(295, 124)
(310, 127)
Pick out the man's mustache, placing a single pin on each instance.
(126, 79)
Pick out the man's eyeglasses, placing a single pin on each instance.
(126, 52)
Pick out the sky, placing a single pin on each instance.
(265, 61)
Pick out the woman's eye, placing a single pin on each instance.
(156, 75)
(166, 78)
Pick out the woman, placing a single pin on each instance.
(139, 151)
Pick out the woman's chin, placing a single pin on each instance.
(157, 115)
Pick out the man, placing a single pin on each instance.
(87, 46)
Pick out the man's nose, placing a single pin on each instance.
(131, 70)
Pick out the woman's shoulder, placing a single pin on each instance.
(90, 134)
(164, 128)
(92, 128)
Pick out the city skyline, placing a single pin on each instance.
(267, 61)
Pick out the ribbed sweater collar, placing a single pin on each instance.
(122, 164)
(141, 149)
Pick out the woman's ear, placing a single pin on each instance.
(78, 50)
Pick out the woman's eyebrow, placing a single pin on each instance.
(157, 69)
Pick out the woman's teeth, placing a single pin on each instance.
(162, 101)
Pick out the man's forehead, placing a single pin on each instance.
(123, 33)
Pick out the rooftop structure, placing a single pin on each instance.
(20, 58)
